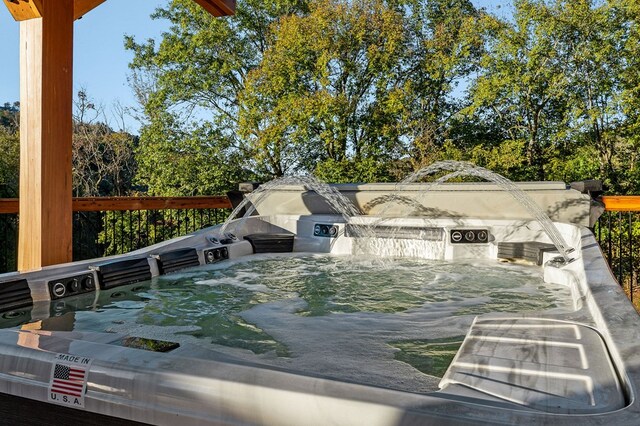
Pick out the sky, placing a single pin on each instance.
(100, 65)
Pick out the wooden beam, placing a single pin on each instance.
(82, 7)
(9, 205)
(149, 203)
(218, 7)
(22, 10)
(46, 90)
(105, 204)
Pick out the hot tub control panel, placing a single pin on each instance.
(216, 254)
(469, 236)
(71, 286)
(323, 230)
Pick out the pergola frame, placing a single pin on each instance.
(46, 126)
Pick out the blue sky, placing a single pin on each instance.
(100, 60)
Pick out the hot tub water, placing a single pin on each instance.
(394, 324)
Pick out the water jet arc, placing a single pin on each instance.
(461, 168)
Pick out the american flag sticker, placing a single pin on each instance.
(68, 382)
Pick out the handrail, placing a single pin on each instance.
(83, 204)
(621, 203)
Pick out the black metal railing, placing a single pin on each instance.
(108, 226)
(9, 242)
(618, 233)
(127, 230)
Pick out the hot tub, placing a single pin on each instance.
(545, 340)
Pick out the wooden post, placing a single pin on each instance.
(46, 128)
(46, 90)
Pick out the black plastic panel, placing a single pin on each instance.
(271, 243)
(124, 272)
(324, 230)
(216, 254)
(469, 236)
(14, 295)
(178, 259)
(71, 286)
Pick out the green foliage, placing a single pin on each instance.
(591, 35)
(351, 170)
(9, 163)
(9, 117)
(197, 161)
(189, 88)
(522, 84)
(324, 88)
(9, 187)
(441, 48)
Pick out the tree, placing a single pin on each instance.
(628, 12)
(9, 163)
(522, 84)
(9, 117)
(324, 89)
(103, 159)
(9, 187)
(178, 160)
(189, 88)
(592, 37)
(10, 148)
(441, 50)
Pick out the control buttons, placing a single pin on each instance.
(59, 289)
(229, 238)
(469, 236)
(216, 254)
(71, 286)
(74, 285)
(322, 230)
(456, 236)
(88, 283)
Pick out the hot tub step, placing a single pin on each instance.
(541, 364)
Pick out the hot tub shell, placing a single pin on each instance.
(579, 367)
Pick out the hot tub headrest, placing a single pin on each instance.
(271, 243)
(15, 294)
(115, 274)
